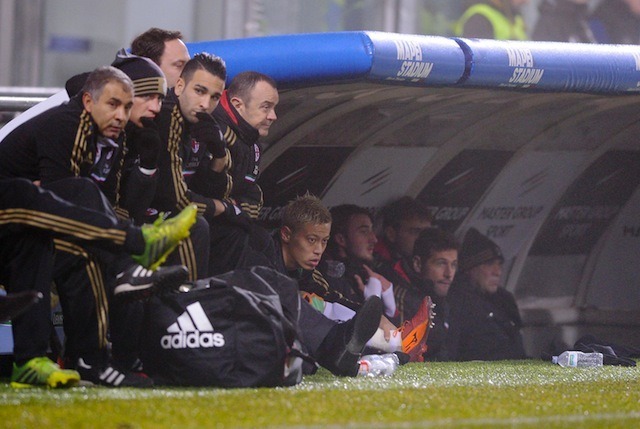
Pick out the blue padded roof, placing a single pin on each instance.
(415, 60)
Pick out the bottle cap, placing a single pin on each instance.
(554, 359)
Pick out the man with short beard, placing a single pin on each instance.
(428, 273)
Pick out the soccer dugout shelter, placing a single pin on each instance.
(535, 144)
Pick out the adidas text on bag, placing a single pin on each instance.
(192, 330)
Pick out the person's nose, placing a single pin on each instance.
(156, 105)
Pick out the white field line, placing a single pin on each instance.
(490, 422)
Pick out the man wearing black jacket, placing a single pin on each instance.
(84, 138)
(193, 156)
(484, 321)
(295, 250)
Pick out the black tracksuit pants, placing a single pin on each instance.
(30, 219)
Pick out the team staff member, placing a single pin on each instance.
(484, 322)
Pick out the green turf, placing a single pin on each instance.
(474, 394)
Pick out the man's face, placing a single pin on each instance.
(304, 247)
(201, 94)
(173, 59)
(260, 108)
(487, 276)
(145, 106)
(359, 241)
(111, 110)
(404, 236)
(440, 268)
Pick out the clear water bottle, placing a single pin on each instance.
(578, 359)
(378, 365)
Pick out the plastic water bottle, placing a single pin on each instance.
(578, 359)
(378, 365)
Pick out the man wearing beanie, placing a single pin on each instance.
(484, 321)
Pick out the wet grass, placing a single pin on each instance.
(475, 394)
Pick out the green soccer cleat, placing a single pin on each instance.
(41, 371)
(163, 236)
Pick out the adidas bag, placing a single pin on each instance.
(230, 330)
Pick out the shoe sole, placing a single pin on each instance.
(366, 324)
(163, 257)
(418, 335)
(55, 381)
(169, 283)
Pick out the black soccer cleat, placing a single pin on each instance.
(341, 349)
(111, 377)
(138, 282)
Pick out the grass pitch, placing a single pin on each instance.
(523, 394)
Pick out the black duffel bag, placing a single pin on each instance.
(238, 329)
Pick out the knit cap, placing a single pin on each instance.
(477, 249)
(146, 75)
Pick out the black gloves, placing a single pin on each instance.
(234, 215)
(147, 140)
(207, 131)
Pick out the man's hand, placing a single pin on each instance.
(147, 140)
(236, 216)
(207, 131)
(386, 284)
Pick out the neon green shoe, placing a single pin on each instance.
(163, 236)
(41, 371)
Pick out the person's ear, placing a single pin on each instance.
(87, 101)
(417, 264)
(236, 102)
(285, 234)
(340, 239)
(180, 86)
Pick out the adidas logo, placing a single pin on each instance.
(192, 330)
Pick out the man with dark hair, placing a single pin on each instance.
(347, 268)
(193, 158)
(484, 321)
(193, 152)
(402, 221)
(430, 273)
(165, 48)
(349, 258)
